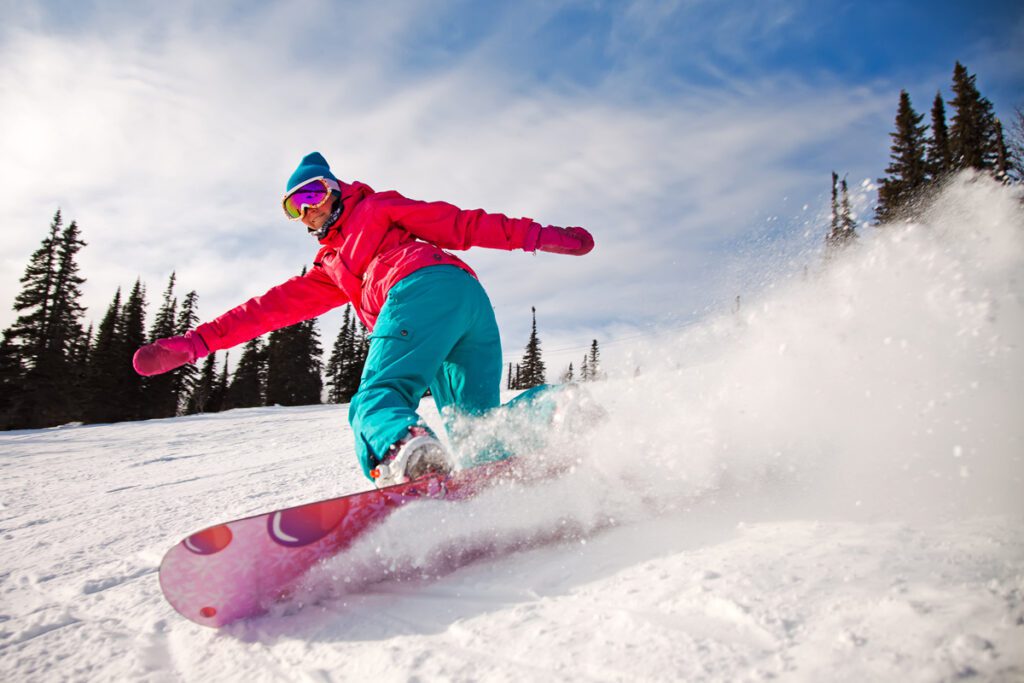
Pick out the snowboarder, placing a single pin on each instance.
(433, 324)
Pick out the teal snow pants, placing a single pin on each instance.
(436, 330)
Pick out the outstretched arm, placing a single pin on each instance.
(300, 298)
(450, 227)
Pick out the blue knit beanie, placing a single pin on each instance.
(313, 165)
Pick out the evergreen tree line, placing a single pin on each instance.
(531, 370)
(54, 371)
(923, 156)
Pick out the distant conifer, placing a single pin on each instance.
(843, 228)
(131, 335)
(569, 375)
(345, 365)
(218, 400)
(104, 358)
(533, 370)
(47, 336)
(335, 363)
(937, 153)
(294, 365)
(187, 375)
(249, 384)
(972, 137)
(907, 170)
(594, 372)
(161, 391)
(199, 397)
(11, 373)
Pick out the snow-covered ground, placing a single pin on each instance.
(827, 485)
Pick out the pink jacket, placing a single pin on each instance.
(380, 238)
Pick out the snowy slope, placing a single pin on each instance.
(826, 486)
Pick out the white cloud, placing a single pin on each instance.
(169, 138)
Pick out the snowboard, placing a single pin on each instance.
(239, 569)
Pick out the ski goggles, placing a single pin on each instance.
(311, 194)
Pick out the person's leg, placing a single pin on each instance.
(469, 379)
(468, 383)
(425, 317)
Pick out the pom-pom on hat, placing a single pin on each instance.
(313, 165)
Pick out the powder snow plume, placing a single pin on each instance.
(882, 385)
(886, 382)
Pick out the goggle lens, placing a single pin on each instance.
(311, 195)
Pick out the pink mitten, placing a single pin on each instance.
(167, 354)
(574, 241)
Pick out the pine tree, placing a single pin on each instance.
(80, 351)
(363, 346)
(831, 238)
(568, 375)
(35, 301)
(218, 400)
(312, 386)
(131, 334)
(102, 401)
(907, 170)
(66, 335)
(249, 385)
(594, 372)
(161, 391)
(282, 366)
(78, 361)
(345, 364)
(533, 370)
(847, 225)
(48, 332)
(199, 397)
(360, 350)
(165, 324)
(11, 385)
(335, 393)
(972, 138)
(938, 157)
(294, 365)
(65, 325)
(186, 377)
(585, 369)
(843, 230)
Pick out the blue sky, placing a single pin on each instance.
(685, 135)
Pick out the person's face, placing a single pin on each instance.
(314, 219)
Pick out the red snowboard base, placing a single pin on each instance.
(236, 570)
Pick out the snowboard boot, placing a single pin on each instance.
(418, 454)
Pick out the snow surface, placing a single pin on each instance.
(826, 485)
